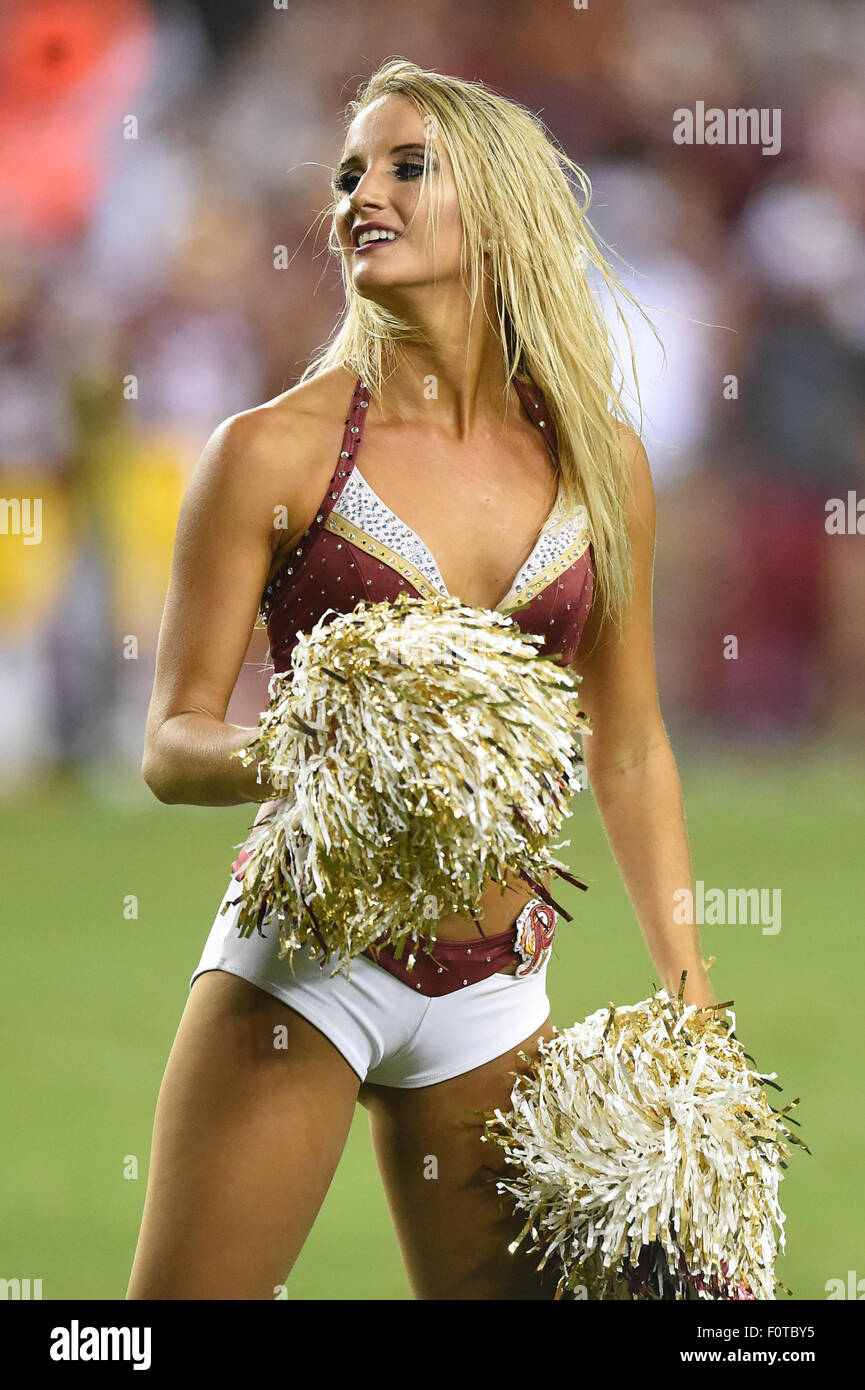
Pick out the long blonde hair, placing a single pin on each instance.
(511, 183)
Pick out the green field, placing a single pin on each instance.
(91, 1001)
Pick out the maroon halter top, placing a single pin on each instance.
(356, 548)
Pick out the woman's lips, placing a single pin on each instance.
(371, 245)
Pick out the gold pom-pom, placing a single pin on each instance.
(647, 1156)
(420, 748)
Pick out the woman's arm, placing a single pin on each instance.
(223, 552)
(629, 761)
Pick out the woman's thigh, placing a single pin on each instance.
(453, 1227)
(252, 1117)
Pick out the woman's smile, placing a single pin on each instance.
(377, 240)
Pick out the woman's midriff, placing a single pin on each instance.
(501, 907)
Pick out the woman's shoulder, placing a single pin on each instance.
(640, 501)
(635, 457)
(630, 441)
(275, 456)
(294, 427)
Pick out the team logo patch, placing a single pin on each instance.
(536, 927)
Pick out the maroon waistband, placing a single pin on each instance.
(446, 966)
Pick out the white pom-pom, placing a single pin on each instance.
(647, 1156)
(422, 749)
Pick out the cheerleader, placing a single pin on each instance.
(461, 435)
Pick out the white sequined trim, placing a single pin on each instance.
(361, 507)
(574, 542)
(350, 531)
(362, 517)
(562, 541)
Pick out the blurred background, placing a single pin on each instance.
(154, 160)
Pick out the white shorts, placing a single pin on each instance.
(388, 1034)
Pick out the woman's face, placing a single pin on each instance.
(378, 181)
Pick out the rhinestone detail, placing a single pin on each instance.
(360, 506)
(563, 537)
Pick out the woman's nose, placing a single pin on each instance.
(368, 191)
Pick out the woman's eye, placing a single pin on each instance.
(344, 183)
(347, 181)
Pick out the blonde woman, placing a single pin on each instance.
(472, 378)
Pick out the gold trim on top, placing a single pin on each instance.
(338, 526)
(546, 577)
(513, 600)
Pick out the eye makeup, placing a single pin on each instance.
(404, 170)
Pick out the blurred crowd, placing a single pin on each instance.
(152, 156)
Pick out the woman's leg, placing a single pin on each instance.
(252, 1117)
(452, 1226)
